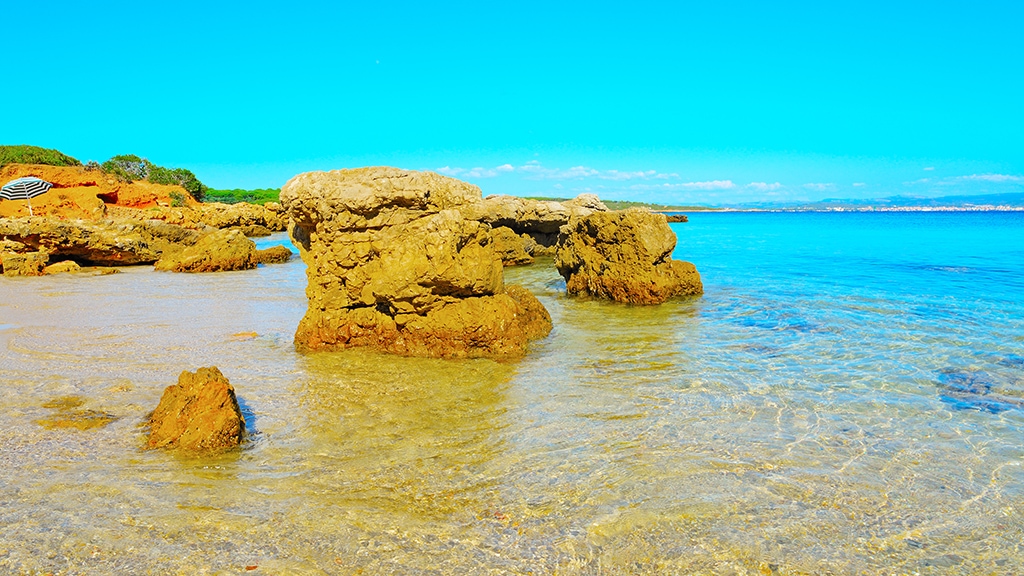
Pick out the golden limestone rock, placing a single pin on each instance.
(393, 264)
(199, 413)
(219, 251)
(534, 224)
(624, 256)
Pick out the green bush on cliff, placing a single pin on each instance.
(24, 154)
(180, 176)
(129, 168)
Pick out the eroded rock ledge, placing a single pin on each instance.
(394, 264)
(525, 228)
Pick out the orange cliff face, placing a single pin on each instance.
(81, 193)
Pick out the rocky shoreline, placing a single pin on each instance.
(398, 261)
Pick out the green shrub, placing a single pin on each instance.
(180, 176)
(129, 168)
(177, 199)
(23, 154)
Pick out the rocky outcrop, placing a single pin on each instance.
(394, 264)
(513, 249)
(219, 251)
(241, 215)
(624, 256)
(274, 255)
(101, 243)
(62, 267)
(252, 219)
(255, 231)
(127, 242)
(199, 413)
(23, 264)
(538, 220)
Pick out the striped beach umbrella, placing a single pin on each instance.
(25, 188)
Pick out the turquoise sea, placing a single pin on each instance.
(847, 397)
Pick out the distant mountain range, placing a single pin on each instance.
(1013, 200)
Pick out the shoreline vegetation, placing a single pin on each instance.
(131, 168)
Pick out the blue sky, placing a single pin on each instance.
(674, 102)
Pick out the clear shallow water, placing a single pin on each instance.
(845, 398)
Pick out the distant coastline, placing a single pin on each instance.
(982, 208)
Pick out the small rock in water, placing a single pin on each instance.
(199, 413)
(274, 255)
(62, 267)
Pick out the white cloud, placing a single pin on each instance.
(536, 171)
(820, 186)
(930, 168)
(858, 184)
(764, 186)
(993, 178)
(616, 175)
(449, 171)
(708, 185)
(477, 172)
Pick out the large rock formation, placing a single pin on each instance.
(199, 413)
(102, 243)
(393, 264)
(624, 256)
(536, 222)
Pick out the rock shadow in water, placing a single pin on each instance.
(972, 390)
(249, 416)
(1011, 361)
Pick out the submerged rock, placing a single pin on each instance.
(394, 264)
(973, 390)
(199, 413)
(68, 413)
(624, 256)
